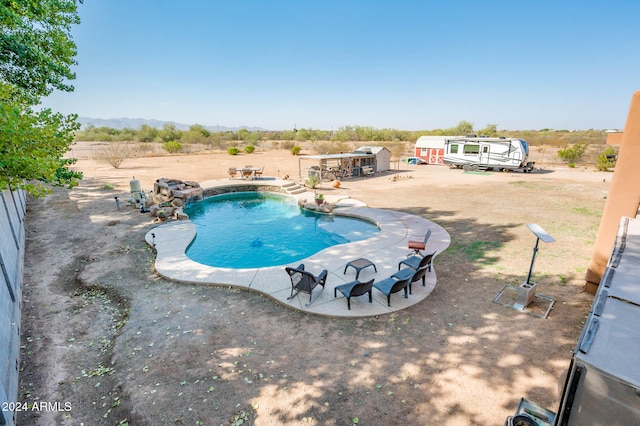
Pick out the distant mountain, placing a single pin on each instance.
(136, 123)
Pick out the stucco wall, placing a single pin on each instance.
(624, 194)
(12, 211)
(614, 138)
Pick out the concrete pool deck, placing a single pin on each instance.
(385, 250)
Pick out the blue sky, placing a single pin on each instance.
(404, 64)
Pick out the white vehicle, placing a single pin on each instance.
(484, 153)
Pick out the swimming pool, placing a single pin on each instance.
(257, 229)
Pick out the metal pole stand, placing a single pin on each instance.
(526, 292)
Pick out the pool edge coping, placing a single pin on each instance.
(386, 249)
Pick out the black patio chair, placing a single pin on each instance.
(354, 289)
(417, 262)
(304, 281)
(412, 274)
(391, 285)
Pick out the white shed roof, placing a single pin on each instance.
(372, 149)
(431, 141)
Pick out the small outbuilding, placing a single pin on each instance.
(431, 149)
(364, 161)
(382, 155)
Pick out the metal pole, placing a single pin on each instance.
(533, 259)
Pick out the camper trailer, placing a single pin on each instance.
(484, 153)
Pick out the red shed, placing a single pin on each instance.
(431, 148)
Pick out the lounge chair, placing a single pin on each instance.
(416, 246)
(412, 274)
(304, 281)
(391, 285)
(417, 262)
(354, 289)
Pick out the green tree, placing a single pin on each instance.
(288, 135)
(241, 134)
(36, 49)
(36, 55)
(196, 134)
(147, 133)
(254, 137)
(199, 128)
(491, 130)
(170, 133)
(32, 145)
(463, 128)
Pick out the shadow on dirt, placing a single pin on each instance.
(158, 352)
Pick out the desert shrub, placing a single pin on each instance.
(334, 147)
(114, 154)
(287, 144)
(295, 150)
(313, 181)
(142, 149)
(249, 149)
(172, 147)
(217, 142)
(606, 160)
(232, 150)
(574, 153)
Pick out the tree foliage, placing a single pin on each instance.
(32, 145)
(36, 49)
(172, 147)
(573, 154)
(36, 55)
(170, 133)
(147, 134)
(606, 160)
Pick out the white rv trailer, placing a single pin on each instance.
(483, 153)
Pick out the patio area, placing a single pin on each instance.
(385, 250)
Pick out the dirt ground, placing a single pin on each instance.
(114, 344)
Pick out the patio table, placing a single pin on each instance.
(248, 172)
(359, 264)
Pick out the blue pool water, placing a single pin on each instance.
(253, 230)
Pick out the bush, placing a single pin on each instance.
(606, 160)
(249, 149)
(232, 150)
(114, 155)
(172, 147)
(313, 181)
(573, 154)
(287, 145)
(335, 147)
(295, 150)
